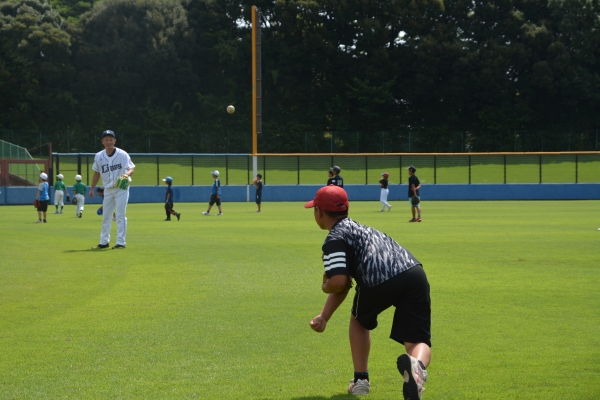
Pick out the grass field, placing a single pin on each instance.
(218, 307)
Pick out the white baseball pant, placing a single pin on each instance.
(59, 195)
(383, 198)
(80, 202)
(115, 200)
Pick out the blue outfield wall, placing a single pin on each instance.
(184, 194)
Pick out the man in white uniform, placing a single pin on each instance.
(115, 166)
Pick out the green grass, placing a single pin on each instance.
(218, 307)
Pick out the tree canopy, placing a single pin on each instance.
(160, 73)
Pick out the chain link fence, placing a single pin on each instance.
(305, 169)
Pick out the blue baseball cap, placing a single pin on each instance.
(108, 133)
(168, 179)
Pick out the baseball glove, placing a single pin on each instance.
(68, 198)
(74, 201)
(415, 200)
(36, 203)
(123, 182)
(168, 205)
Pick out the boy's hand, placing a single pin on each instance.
(318, 323)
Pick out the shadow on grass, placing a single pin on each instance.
(92, 249)
(336, 397)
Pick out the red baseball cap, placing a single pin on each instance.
(330, 198)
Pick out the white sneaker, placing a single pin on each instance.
(218, 214)
(389, 208)
(206, 213)
(382, 210)
(56, 212)
(61, 211)
(360, 387)
(414, 377)
(39, 221)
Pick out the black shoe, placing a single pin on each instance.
(44, 221)
(102, 246)
(119, 246)
(178, 215)
(168, 219)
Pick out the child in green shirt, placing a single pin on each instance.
(60, 190)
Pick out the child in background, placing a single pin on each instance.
(60, 190)
(330, 177)
(43, 197)
(258, 185)
(169, 200)
(215, 194)
(384, 192)
(79, 193)
(337, 180)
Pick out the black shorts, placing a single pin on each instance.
(409, 293)
(43, 205)
(214, 199)
(258, 197)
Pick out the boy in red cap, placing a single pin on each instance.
(386, 274)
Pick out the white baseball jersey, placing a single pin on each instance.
(112, 167)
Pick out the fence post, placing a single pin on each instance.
(576, 168)
(226, 170)
(298, 166)
(79, 163)
(540, 168)
(400, 178)
(434, 170)
(505, 169)
(157, 170)
(469, 170)
(366, 170)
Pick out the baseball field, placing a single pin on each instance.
(218, 307)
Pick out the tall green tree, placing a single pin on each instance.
(134, 71)
(35, 67)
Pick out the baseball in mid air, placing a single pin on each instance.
(230, 109)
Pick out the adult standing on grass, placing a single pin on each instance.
(42, 197)
(115, 167)
(386, 275)
(413, 194)
(215, 194)
(79, 194)
(60, 190)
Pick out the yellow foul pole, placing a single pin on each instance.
(254, 89)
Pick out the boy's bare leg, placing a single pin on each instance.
(420, 351)
(360, 345)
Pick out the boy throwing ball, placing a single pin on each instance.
(386, 274)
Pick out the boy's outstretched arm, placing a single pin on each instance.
(337, 286)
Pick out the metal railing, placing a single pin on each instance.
(299, 169)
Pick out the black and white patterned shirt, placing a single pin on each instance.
(367, 255)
